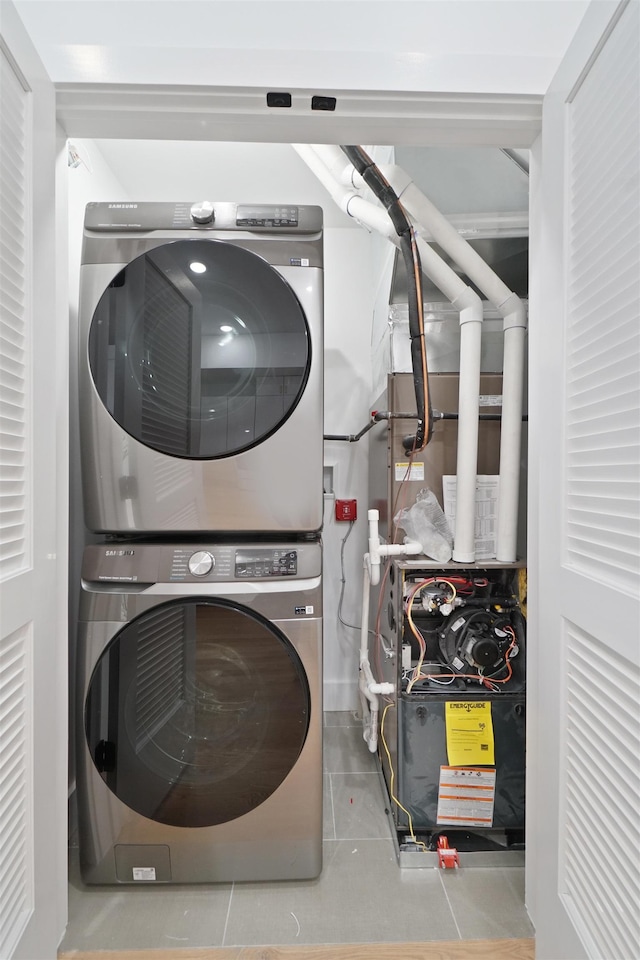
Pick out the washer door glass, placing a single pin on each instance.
(196, 712)
(199, 349)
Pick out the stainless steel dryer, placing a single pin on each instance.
(201, 362)
(199, 753)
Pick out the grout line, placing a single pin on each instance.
(226, 919)
(444, 887)
(333, 809)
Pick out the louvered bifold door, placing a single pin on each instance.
(586, 381)
(600, 779)
(33, 511)
(16, 855)
(14, 328)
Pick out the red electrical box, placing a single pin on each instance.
(346, 510)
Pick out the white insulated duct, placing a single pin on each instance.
(329, 165)
(512, 309)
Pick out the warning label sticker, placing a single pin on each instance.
(466, 796)
(409, 471)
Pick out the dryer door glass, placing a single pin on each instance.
(196, 712)
(199, 349)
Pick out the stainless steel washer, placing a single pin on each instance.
(201, 364)
(199, 752)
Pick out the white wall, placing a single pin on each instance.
(266, 173)
(349, 291)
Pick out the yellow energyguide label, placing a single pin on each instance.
(469, 732)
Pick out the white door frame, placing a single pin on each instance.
(170, 113)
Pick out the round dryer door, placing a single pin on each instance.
(199, 349)
(196, 712)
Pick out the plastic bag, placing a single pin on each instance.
(426, 523)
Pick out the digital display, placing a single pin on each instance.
(261, 216)
(266, 563)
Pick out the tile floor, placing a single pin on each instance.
(361, 896)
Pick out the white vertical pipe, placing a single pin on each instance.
(467, 451)
(511, 430)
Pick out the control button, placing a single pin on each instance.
(202, 212)
(201, 563)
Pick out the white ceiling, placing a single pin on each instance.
(454, 45)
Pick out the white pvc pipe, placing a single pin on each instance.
(511, 432)
(464, 543)
(512, 310)
(336, 162)
(368, 700)
(339, 193)
(369, 689)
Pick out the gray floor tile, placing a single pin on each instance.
(348, 903)
(488, 902)
(358, 806)
(328, 823)
(120, 918)
(346, 752)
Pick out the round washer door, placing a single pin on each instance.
(199, 349)
(196, 712)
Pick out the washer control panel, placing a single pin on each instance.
(252, 563)
(141, 563)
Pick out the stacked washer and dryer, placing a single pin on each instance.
(199, 753)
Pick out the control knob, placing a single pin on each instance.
(201, 563)
(202, 212)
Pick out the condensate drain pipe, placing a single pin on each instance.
(368, 688)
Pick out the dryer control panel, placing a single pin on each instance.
(202, 215)
(266, 563)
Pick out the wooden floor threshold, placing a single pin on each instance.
(434, 950)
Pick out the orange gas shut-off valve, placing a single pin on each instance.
(447, 856)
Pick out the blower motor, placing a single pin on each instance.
(475, 641)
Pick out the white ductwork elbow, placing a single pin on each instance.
(339, 194)
(373, 217)
(338, 165)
